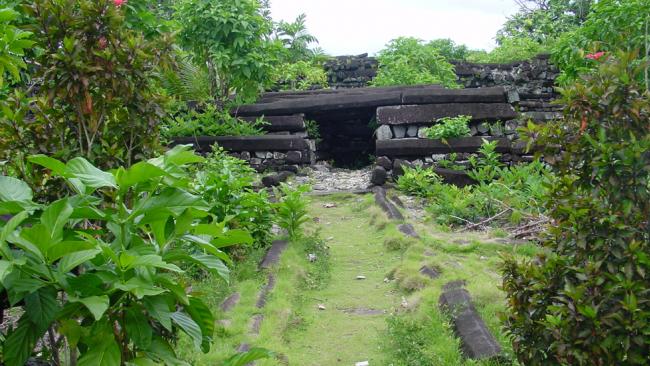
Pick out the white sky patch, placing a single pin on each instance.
(347, 27)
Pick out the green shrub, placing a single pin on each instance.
(611, 26)
(13, 44)
(449, 127)
(487, 166)
(313, 129)
(418, 181)
(96, 94)
(209, 121)
(585, 300)
(99, 267)
(409, 61)
(227, 182)
(300, 75)
(509, 50)
(291, 209)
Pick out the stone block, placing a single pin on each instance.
(384, 162)
(412, 131)
(379, 176)
(384, 133)
(399, 132)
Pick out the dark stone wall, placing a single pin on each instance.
(531, 80)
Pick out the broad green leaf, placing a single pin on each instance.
(90, 175)
(55, 216)
(57, 167)
(172, 199)
(5, 268)
(181, 155)
(138, 328)
(20, 342)
(41, 306)
(202, 315)
(214, 264)
(233, 237)
(71, 330)
(246, 358)
(12, 189)
(158, 308)
(153, 261)
(97, 305)
(71, 261)
(141, 361)
(64, 248)
(138, 173)
(188, 326)
(139, 288)
(107, 353)
(161, 351)
(7, 15)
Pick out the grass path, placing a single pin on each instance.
(349, 330)
(353, 327)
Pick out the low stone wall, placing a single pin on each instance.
(351, 71)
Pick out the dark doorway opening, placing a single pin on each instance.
(346, 137)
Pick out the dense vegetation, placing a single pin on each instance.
(585, 300)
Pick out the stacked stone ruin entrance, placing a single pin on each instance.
(357, 122)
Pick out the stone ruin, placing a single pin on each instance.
(356, 122)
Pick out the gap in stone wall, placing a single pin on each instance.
(347, 139)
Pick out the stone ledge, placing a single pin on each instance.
(422, 147)
(427, 113)
(245, 143)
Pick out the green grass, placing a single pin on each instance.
(408, 330)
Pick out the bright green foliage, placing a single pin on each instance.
(228, 183)
(509, 50)
(300, 75)
(13, 43)
(409, 61)
(449, 127)
(313, 129)
(209, 121)
(545, 20)
(232, 38)
(418, 181)
(100, 266)
(449, 49)
(487, 167)
(247, 358)
(585, 301)
(295, 39)
(188, 82)
(519, 190)
(611, 26)
(291, 210)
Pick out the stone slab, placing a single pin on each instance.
(408, 230)
(263, 295)
(291, 123)
(272, 256)
(245, 143)
(230, 302)
(426, 147)
(482, 95)
(476, 340)
(391, 211)
(428, 113)
(459, 178)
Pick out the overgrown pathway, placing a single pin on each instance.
(345, 321)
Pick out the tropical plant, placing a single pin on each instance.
(97, 270)
(509, 50)
(418, 181)
(487, 166)
(209, 120)
(610, 27)
(449, 127)
(291, 209)
(409, 61)
(296, 39)
(228, 183)
(585, 300)
(545, 20)
(449, 49)
(300, 75)
(233, 39)
(313, 129)
(13, 43)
